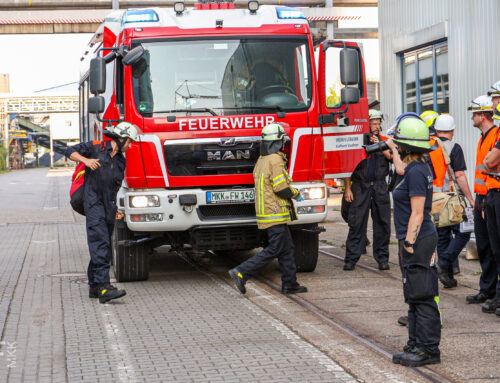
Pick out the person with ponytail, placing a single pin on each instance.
(417, 237)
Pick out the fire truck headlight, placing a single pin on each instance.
(141, 201)
(313, 193)
(253, 6)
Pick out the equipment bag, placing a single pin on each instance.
(78, 181)
(448, 208)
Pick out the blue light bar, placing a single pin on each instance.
(289, 13)
(140, 16)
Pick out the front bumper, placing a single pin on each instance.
(175, 217)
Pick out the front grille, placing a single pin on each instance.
(212, 156)
(226, 238)
(234, 211)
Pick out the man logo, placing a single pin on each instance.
(228, 155)
(229, 141)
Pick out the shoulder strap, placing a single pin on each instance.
(451, 175)
(445, 152)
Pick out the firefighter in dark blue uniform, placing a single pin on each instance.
(368, 192)
(417, 238)
(105, 167)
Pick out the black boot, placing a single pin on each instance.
(348, 266)
(407, 349)
(383, 266)
(295, 289)
(93, 292)
(491, 307)
(478, 298)
(419, 358)
(444, 276)
(403, 321)
(456, 267)
(108, 292)
(238, 280)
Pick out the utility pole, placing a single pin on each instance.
(115, 5)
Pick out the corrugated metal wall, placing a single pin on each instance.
(473, 59)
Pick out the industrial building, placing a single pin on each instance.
(438, 55)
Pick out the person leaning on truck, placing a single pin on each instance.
(104, 172)
(274, 208)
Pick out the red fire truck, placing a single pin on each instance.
(201, 83)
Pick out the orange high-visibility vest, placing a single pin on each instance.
(483, 147)
(492, 182)
(438, 164)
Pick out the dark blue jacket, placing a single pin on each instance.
(102, 184)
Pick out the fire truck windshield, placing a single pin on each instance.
(223, 76)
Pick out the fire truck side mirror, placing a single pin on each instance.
(133, 56)
(96, 104)
(97, 75)
(349, 66)
(349, 95)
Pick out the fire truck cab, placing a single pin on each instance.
(201, 83)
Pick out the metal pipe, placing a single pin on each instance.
(108, 4)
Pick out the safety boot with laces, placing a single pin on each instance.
(108, 292)
(419, 358)
(238, 280)
(492, 306)
(407, 349)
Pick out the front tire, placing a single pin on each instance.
(306, 248)
(130, 263)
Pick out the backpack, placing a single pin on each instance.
(448, 208)
(77, 188)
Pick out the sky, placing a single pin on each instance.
(36, 62)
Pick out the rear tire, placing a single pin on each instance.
(130, 263)
(306, 248)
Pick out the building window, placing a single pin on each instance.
(425, 79)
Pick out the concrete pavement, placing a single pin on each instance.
(183, 324)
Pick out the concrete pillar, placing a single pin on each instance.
(6, 135)
(51, 148)
(330, 23)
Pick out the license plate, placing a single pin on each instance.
(230, 196)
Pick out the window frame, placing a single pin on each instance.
(415, 52)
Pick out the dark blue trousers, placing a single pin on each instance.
(493, 217)
(99, 233)
(450, 243)
(280, 246)
(421, 292)
(489, 275)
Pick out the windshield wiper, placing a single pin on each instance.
(196, 110)
(273, 107)
(279, 109)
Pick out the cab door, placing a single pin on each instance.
(343, 106)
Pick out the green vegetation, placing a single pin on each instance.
(3, 159)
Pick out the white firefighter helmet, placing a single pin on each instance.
(445, 123)
(123, 130)
(481, 104)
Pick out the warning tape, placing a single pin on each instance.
(100, 20)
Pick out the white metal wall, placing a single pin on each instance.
(473, 32)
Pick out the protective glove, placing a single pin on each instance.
(299, 198)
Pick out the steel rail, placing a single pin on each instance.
(424, 372)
